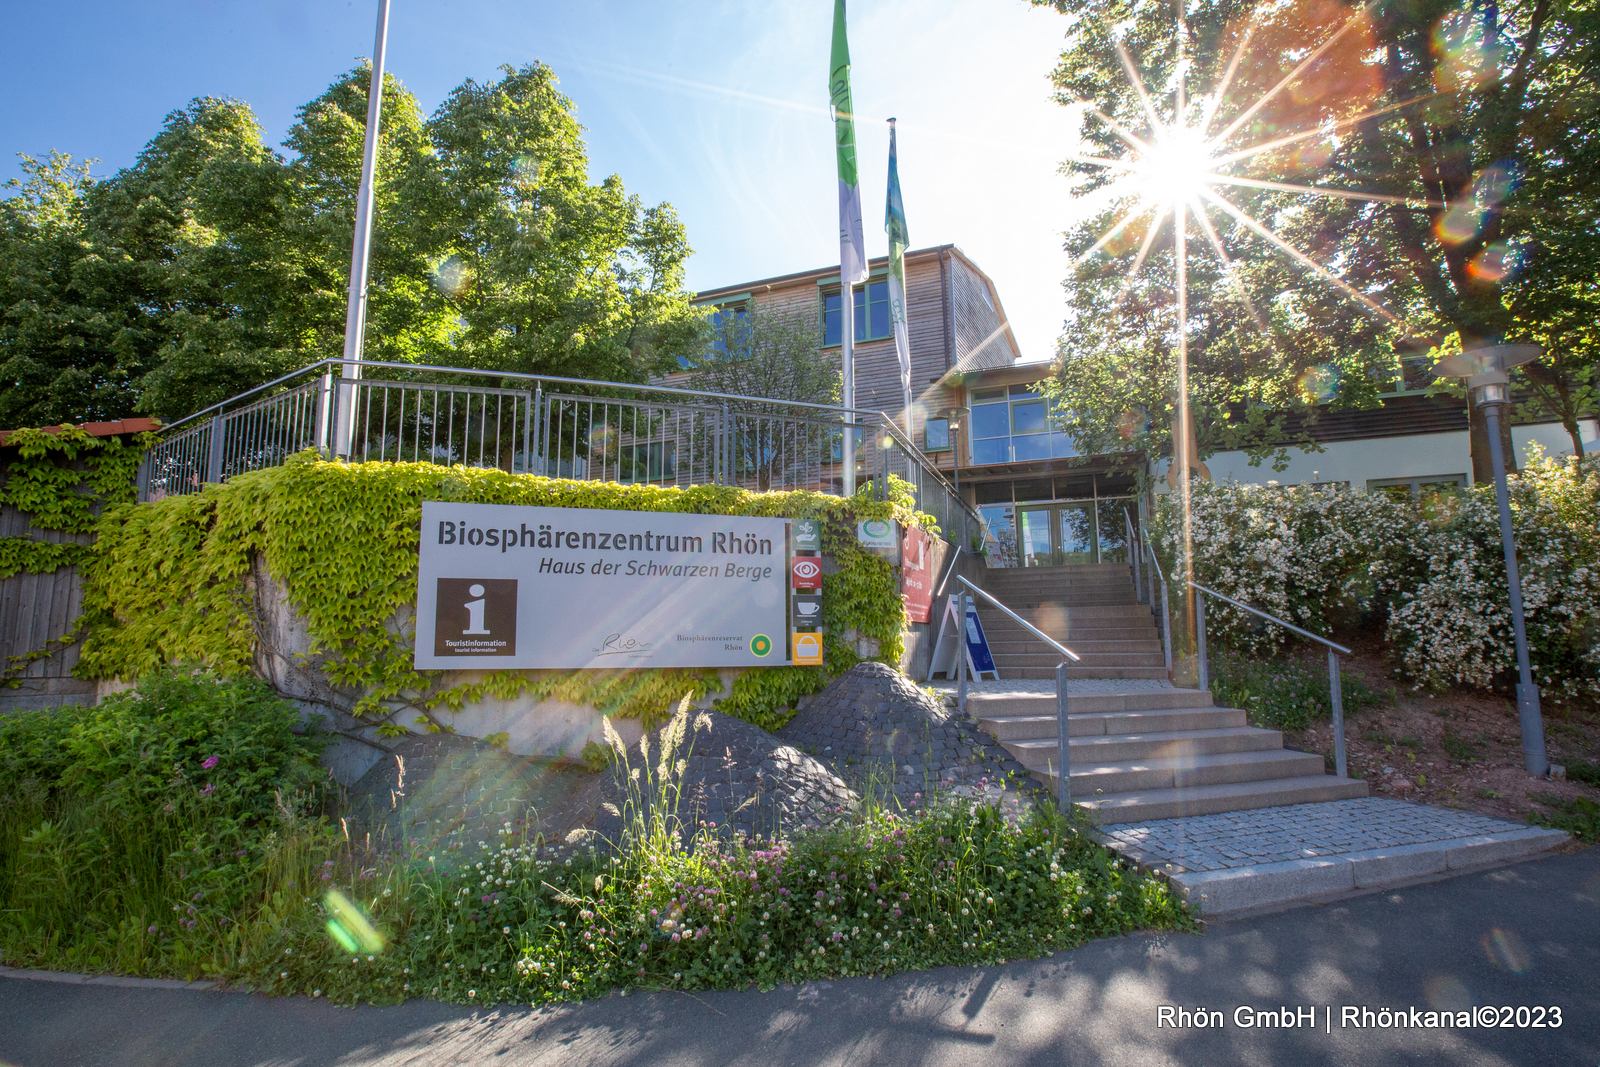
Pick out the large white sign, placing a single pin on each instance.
(508, 586)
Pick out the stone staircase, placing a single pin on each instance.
(1136, 754)
(1157, 754)
(1092, 609)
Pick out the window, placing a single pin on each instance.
(1012, 425)
(724, 324)
(936, 435)
(1417, 487)
(872, 314)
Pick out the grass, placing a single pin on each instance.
(270, 892)
(1287, 694)
(1578, 816)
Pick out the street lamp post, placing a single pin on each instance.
(1485, 372)
(955, 414)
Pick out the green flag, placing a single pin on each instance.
(852, 240)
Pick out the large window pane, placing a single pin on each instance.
(1028, 417)
(936, 435)
(1061, 446)
(832, 320)
(990, 420)
(999, 537)
(995, 451)
(1113, 528)
(1036, 446)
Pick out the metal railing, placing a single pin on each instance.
(1064, 789)
(1334, 695)
(546, 425)
(1157, 577)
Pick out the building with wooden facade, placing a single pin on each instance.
(1044, 503)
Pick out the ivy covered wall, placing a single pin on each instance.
(53, 483)
(193, 580)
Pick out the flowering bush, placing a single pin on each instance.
(1433, 569)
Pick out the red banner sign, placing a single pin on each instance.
(916, 574)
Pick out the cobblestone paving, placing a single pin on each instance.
(1295, 832)
(1048, 685)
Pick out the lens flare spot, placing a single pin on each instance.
(349, 926)
(525, 170)
(451, 275)
(1447, 993)
(601, 439)
(1132, 423)
(1489, 189)
(1504, 949)
(1319, 384)
(1496, 263)
(1464, 57)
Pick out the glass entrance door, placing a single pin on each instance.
(1077, 537)
(1052, 535)
(1036, 536)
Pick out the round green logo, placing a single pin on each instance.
(761, 644)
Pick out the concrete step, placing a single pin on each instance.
(1039, 753)
(1144, 805)
(1022, 603)
(983, 705)
(1048, 657)
(1087, 724)
(1102, 614)
(1181, 772)
(1034, 646)
(1042, 673)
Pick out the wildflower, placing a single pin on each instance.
(209, 762)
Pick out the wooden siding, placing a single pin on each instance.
(983, 341)
(933, 353)
(36, 609)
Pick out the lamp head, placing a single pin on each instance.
(1485, 369)
(1486, 360)
(955, 414)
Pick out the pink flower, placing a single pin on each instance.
(209, 789)
(210, 762)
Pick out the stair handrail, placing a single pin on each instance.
(955, 558)
(1166, 600)
(1133, 555)
(1064, 788)
(1335, 697)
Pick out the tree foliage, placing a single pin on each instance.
(1473, 124)
(215, 263)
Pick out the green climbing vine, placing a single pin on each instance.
(174, 582)
(58, 478)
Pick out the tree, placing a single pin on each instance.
(214, 264)
(63, 355)
(1473, 126)
(761, 352)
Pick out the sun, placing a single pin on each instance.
(1176, 167)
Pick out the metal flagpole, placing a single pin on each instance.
(847, 326)
(355, 317)
(852, 243)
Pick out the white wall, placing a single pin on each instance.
(1357, 462)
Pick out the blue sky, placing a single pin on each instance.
(718, 108)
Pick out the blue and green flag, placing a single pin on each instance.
(894, 223)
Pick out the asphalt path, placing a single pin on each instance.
(1524, 936)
